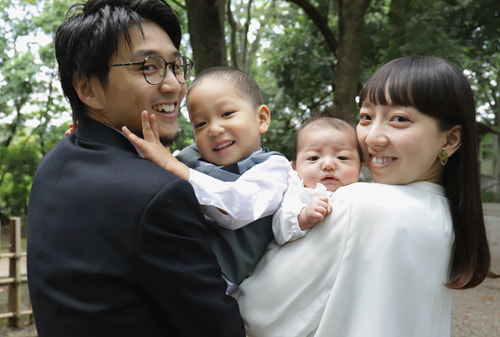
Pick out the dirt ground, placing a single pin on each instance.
(475, 313)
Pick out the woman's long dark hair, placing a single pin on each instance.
(437, 88)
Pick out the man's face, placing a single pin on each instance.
(127, 93)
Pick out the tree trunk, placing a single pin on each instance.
(347, 50)
(349, 53)
(206, 30)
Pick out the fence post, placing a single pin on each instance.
(15, 272)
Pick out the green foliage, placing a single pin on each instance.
(18, 163)
(17, 166)
(185, 137)
(29, 100)
(52, 16)
(490, 196)
(20, 82)
(294, 71)
(302, 64)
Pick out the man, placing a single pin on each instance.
(116, 244)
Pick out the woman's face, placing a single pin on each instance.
(400, 144)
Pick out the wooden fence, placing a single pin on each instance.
(15, 278)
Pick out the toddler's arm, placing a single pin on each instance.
(256, 194)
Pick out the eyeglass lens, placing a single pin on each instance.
(155, 69)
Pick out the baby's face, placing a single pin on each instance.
(328, 156)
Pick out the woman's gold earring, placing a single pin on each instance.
(443, 156)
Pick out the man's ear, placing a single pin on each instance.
(264, 116)
(453, 139)
(88, 90)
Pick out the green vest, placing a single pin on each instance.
(237, 251)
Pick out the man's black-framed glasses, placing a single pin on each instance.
(154, 68)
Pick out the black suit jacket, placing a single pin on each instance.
(117, 246)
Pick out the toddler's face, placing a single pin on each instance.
(227, 128)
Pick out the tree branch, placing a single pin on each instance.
(183, 6)
(232, 39)
(319, 21)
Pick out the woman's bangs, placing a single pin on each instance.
(393, 87)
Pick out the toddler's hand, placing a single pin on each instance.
(150, 146)
(72, 128)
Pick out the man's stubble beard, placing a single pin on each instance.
(167, 140)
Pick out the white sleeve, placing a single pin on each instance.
(286, 219)
(257, 193)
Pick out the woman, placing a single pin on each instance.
(383, 263)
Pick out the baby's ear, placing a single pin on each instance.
(293, 164)
(264, 117)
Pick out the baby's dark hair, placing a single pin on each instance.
(243, 82)
(333, 122)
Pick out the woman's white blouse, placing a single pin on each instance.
(376, 266)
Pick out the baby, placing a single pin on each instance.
(327, 156)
